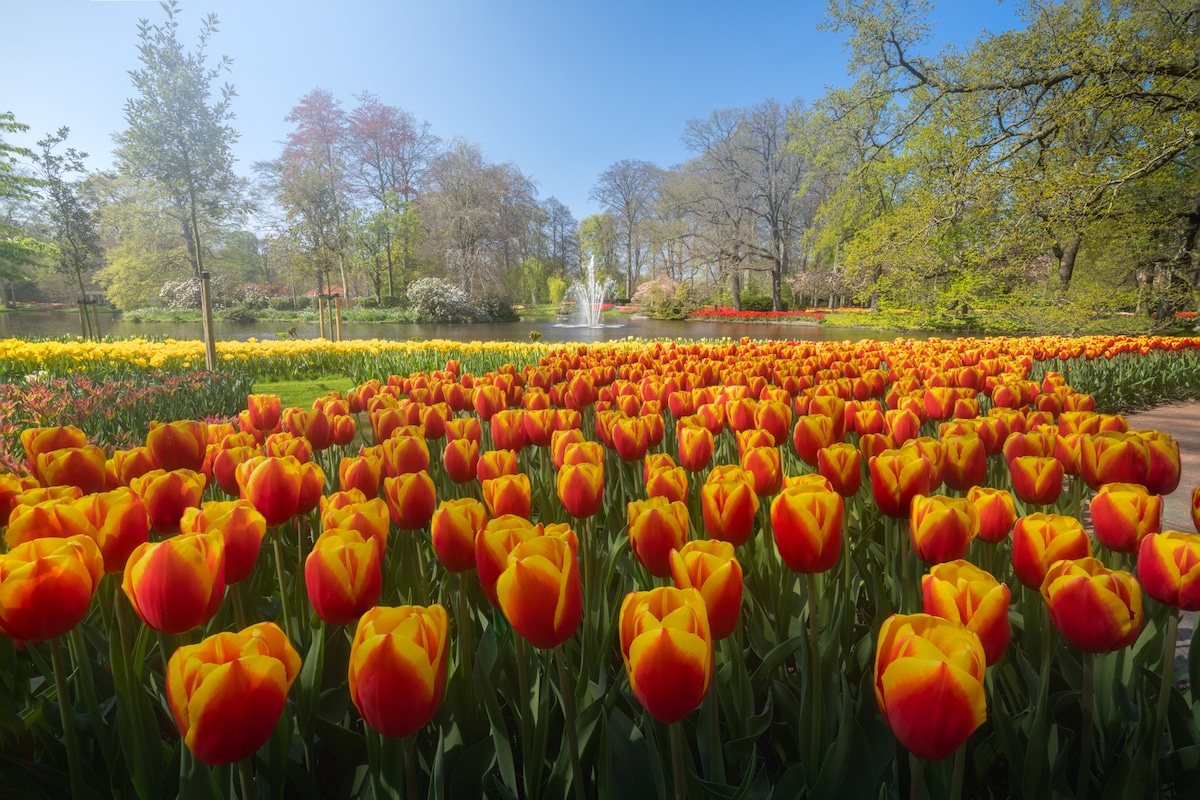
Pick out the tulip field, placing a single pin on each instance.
(629, 570)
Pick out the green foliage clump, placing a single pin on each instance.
(557, 288)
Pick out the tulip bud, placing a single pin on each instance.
(667, 647)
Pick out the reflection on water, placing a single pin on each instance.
(55, 324)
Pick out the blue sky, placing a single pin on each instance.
(560, 89)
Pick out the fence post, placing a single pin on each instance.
(96, 318)
(83, 321)
(210, 346)
(321, 312)
(337, 305)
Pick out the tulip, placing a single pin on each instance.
(1169, 567)
(227, 692)
(1037, 480)
(411, 499)
(369, 518)
(671, 483)
(739, 413)
(240, 526)
(933, 452)
(729, 509)
(807, 523)
(36, 441)
(508, 494)
(288, 444)
(404, 454)
(695, 448)
(121, 522)
(73, 466)
(835, 409)
(963, 593)
(1096, 609)
(812, 433)
(454, 526)
(225, 463)
(57, 519)
(178, 445)
(873, 444)
(929, 683)
(581, 488)
(774, 417)
(630, 438)
(540, 591)
(1113, 457)
(464, 428)
(896, 478)
(509, 430)
(1039, 540)
(656, 526)
(496, 463)
(841, 465)
(361, 472)
(398, 667)
(1163, 476)
(311, 423)
(492, 546)
(711, 568)
(1028, 444)
(167, 495)
(712, 415)
(273, 485)
(461, 460)
(667, 647)
(765, 464)
(343, 575)
(46, 586)
(902, 424)
(1067, 450)
(941, 528)
(869, 420)
(965, 462)
(752, 438)
(997, 514)
(1123, 514)
(177, 585)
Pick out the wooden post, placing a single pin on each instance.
(96, 318)
(210, 345)
(337, 306)
(83, 323)
(321, 313)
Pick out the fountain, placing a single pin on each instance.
(589, 296)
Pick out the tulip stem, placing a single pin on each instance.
(905, 571)
(88, 687)
(676, 732)
(285, 605)
(1164, 688)
(465, 644)
(523, 703)
(74, 762)
(917, 784)
(239, 609)
(960, 767)
(814, 644)
(1085, 752)
(409, 747)
(568, 696)
(246, 774)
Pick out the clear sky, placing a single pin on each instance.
(560, 88)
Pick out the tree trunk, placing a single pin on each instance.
(876, 275)
(1066, 260)
(735, 286)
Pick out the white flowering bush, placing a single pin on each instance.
(437, 300)
(184, 293)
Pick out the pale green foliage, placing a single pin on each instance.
(557, 289)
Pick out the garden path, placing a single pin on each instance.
(1182, 421)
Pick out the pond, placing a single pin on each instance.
(58, 323)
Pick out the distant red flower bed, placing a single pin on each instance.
(725, 312)
(1185, 315)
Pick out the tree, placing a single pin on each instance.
(71, 212)
(626, 190)
(17, 249)
(176, 138)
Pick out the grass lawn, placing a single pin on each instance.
(301, 393)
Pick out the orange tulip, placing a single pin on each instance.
(36, 441)
(1123, 514)
(711, 568)
(129, 464)
(496, 463)
(902, 424)
(841, 465)
(1169, 567)
(73, 466)
(57, 519)
(508, 494)
(177, 585)
(121, 522)
(464, 428)
(581, 488)
(933, 452)
(965, 462)
(265, 411)
(929, 683)
(896, 478)
(774, 417)
(398, 667)
(279, 488)
(630, 438)
(1039, 540)
(807, 523)
(1113, 457)
(288, 444)
(540, 591)
(240, 526)
(343, 575)
(411, 499)
(765, 464)
(364, 473)
(1096, 609)
(667, 647)
(228, 692)
(671, 483)
(178, 445)
(751, 438)
(963, 593)
(1164, 473)
(509, 430)
(225, 463)
(729, 509)
(311, 423)
(492, 546)
(655, 462)
(695, 448)
(997, 514)
(46, 586)
(167, 495)
(813, 432)
(656, 526)
(941, 528)
(1036, 479)
(403, 455)
(454, 528)
(873, 444)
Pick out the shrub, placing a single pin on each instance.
(253, 298)
(183, 294)
(238, 313)
(437, 300)
(391, 301)
(497, 309)
(287, 304)
(557, 288)
(368, 302)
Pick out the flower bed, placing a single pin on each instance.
(724, 312)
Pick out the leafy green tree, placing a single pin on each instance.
(178, 136)
(17, 248)
(70, 210)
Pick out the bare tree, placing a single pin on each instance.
(627, 190)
